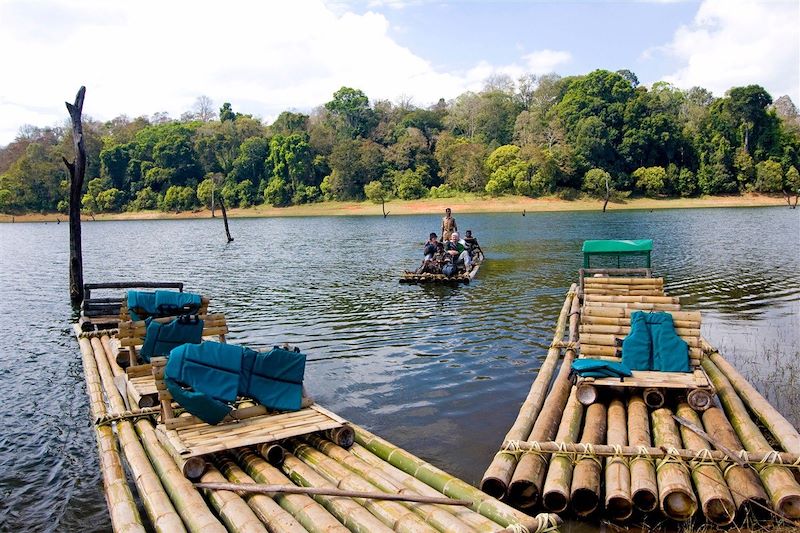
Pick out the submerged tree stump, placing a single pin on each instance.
(77, 170)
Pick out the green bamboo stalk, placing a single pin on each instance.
(675, 495)
(451, 486)
(644, 488)
(270, 513)
(619, 505)
(498, 475)
(435, 515)
(555, 494)
(395, 515)
(475, 520)
(235, 513)
(715, 498)
(310, 514)
(585, 490)
(782, 487)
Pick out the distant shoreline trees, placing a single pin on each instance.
(601, 134)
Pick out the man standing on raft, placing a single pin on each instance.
(448, 225)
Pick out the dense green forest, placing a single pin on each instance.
(597, 134)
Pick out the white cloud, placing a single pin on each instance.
(546, 61)
(733, 43)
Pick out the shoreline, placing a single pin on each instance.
(461, 204)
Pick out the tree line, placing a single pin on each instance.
(599, 134)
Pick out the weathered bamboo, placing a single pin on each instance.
(149, 486)
(625, 322)
(555, 492)
(654, 397)
(644, 489)
(783, 431)
(595, 298)
(310, 514)
(715, 498)
(476, 521)
(451, 486)
(233, 510)
(355, 517)
(781, 486)
(526, 483)
(619, 505)
(434, 515)
(746, 489)
(270, 513)
(622, 281)
(498, 475)
(621, 331)
(625, 312)
(273, 453)
(585, 490)
(121, 505)
(675, 495)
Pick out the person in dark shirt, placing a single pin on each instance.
(430, 247)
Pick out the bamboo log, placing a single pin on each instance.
(654, 397)
(270, 513)
(675, 495)
(585, 491)
(435, 515)
(590, 299)
(644, 489)
(191, 467)
(497, 477)
(715, 498)
(149, 486)
(619, 505)
(391, 513)
(355, 517)
(235, 513)
(600, 339)
(592, 320)
(121, 505)
(748, 494)
(622, 331)
(783, 431)
(273, 453)
(451, 486)
(555, 492)
(622, 281)
(474, 520)
(781, 486)
(616, 311)
(309, 513)
(526, 483)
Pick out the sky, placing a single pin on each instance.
(264, 57)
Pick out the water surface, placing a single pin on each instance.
(440, 371)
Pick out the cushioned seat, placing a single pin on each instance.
(600, 368)
(653, 344)
(145, 304)
(160, 338)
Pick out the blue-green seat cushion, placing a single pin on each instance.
(160, 338)
(600, 368)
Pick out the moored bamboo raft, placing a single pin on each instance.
(371, 467)
(724, 459)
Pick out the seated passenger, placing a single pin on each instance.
(436, 262)
(471, 243)
(458, 251)
(430, 247)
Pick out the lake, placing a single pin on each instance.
(439, 371)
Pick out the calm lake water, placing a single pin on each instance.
(440, 371)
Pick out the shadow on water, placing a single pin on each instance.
(440, 371)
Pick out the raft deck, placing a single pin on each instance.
(465, 277)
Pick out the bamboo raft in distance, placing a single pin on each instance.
(464, 277)
(137, 453)
(607, 453)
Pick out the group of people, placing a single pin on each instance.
(452, 254)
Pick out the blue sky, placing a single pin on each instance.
(147, 56)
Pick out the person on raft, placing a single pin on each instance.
(436, 262)
(458, 251)
(448, 225)
(430, 247)
(471, 243)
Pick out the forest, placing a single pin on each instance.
(601, 134)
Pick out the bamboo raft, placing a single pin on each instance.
(328, 479)
(607, 448)
(464, 277)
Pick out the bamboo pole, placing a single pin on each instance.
(585, 492)
(644, 489)
(452, 486)
(391, 513)
(526, 483)
(625, 312)
(619, 505)
(783, 431)
(781, 486)
(746, 489)
(235, 513)
(555, 492)
(590, 299)
(675, 495)
(122, 509)
(712, 491)
(623, 281)
(475, 520)
(154, 498)
(435, 515)
(310, 514)
(270, 513)
(355, 517)
(498, 475)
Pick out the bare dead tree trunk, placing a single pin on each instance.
(225, 219)
(383, 208)
(77, 170)
(608, 196)
(788, 197)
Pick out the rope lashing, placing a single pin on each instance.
(618, 456)
(672, 457)
(588, 454)
(126, 415)
(702, 458)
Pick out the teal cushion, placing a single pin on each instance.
(600, 368)
(201, 405)
(637, 347)
(670, 352)
(276, 379)
(160, 338)
(141, 304)
(211, 367)
(173, 303)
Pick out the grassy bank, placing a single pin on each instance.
(461, 204)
